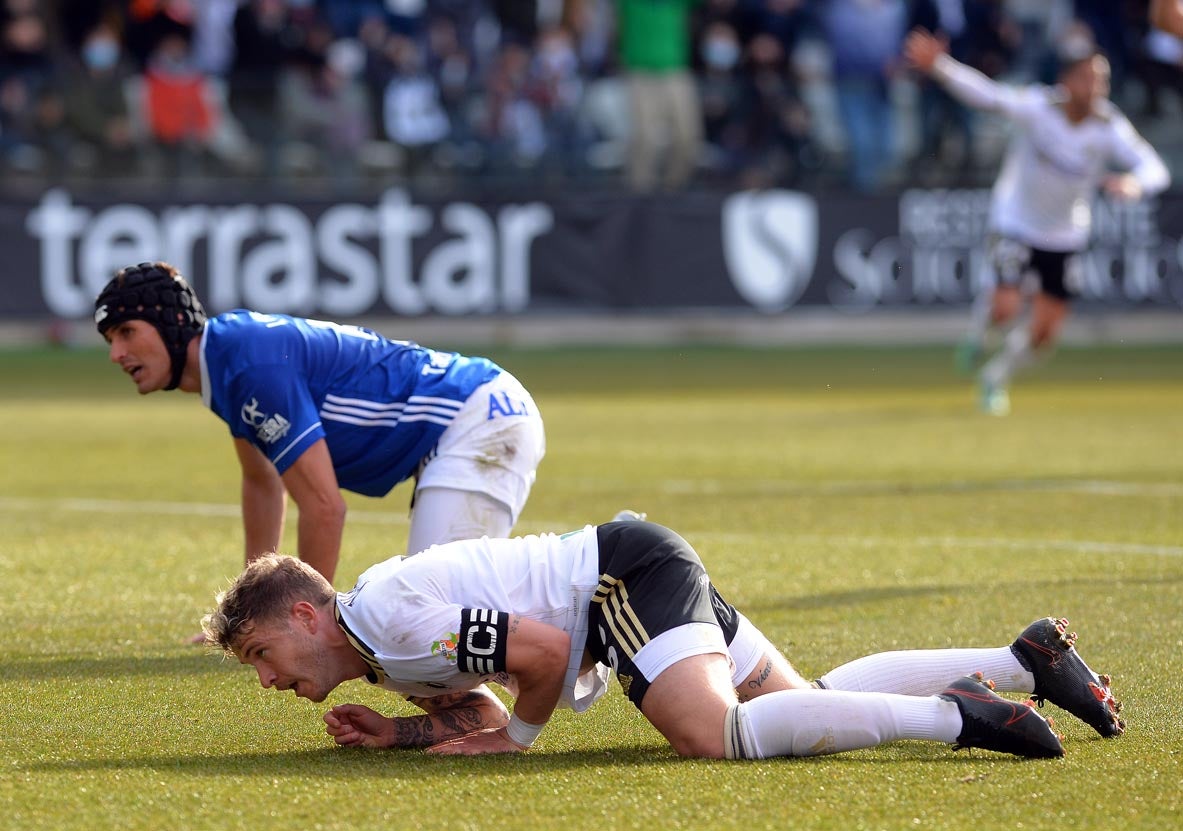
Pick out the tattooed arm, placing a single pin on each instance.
(447, 717)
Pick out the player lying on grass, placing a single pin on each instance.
(547, 616)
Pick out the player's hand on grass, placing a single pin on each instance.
(353, 725)
(922, 49)
(493, 740)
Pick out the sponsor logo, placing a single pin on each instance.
(446, 647)
(500, 404)
(770, 241)
(454, 259)
(100, 314)
(269, 428)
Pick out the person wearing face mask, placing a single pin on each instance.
(96, 107)
(720, 91)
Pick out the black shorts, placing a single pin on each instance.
(1056, 271)
(651, 581)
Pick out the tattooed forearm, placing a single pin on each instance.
(424, 731)
(448, 716)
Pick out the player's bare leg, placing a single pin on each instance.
(1047, 319)
(688, 703)
(773, 672)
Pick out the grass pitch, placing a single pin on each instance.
(848, 501)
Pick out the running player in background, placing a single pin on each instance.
(1067, 140)
(550, 617)
(314, 407)
(1167, 15)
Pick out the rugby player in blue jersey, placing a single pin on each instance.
(314, 407)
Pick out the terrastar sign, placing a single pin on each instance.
(270, 256)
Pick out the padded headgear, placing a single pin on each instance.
(158, 294)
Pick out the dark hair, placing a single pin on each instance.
(265, 591)
(158, 294)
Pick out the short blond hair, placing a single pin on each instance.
(265, 590)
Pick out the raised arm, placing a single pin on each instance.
(930, 55)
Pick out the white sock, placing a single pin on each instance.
(979, 316)
(814, 722)
(929, 671)
(1016, 353)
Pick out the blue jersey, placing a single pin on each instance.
(284, 382)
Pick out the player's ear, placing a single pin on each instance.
(305, 616)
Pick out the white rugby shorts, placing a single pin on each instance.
(493, 446)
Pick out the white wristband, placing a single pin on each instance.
(522, 732)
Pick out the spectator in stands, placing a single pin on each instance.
(865, 37)
(721, 93)
(509, 124)
(324, 103)
(151, 21)
(1167, 16)
(31, 113)
(776, 130)
(556, 89)
(666, 123)
(1161, 69)
(453, 66)
(412, 114)
(264, 39)
(179, 106)
(96, 105)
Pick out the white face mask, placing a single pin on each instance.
(720, 53)
(101, 53)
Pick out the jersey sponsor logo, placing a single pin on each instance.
(269, 428)
(482, 642)
(446, 647)
(500, 404)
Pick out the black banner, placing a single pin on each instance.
(394, 253)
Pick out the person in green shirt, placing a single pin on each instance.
(666, 115)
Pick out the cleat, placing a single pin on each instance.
(629, 516)
(993, 400)
(992, 722)
(1047, 650)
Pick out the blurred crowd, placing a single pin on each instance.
(654, 94)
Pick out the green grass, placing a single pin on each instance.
(847, 500)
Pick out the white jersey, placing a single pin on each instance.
(1052, 168)
(422, 622)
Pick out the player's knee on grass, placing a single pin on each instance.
(688, 703)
